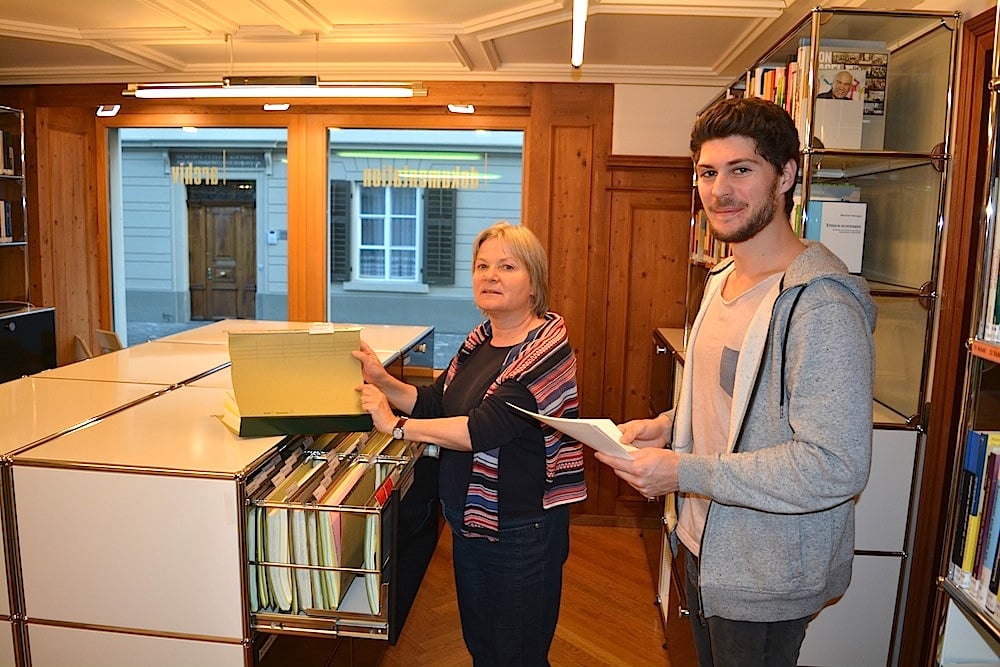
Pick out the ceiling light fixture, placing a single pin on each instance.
(461, 108)
(108, 110)
(267, 87)
(276, 106)
(580, 8)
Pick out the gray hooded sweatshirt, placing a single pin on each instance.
(779, 537)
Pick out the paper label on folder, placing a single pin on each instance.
(298, 372)
(600, 434)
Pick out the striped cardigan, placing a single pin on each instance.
(545, 364)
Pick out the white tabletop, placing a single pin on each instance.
(33, 408)
(154, 363)
(388, 340)
(176, 431)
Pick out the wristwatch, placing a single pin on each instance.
(397, 431)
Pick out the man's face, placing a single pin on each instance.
(842, 85)
(740, 190)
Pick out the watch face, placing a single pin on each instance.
(397, 433)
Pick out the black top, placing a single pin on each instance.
(492, 424)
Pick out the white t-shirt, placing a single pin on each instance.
(715, 355)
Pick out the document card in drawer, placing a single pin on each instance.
(295, 382)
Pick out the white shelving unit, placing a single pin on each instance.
(899, 171)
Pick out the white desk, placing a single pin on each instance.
(152, 363)
(387, 340)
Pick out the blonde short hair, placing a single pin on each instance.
(522, 243)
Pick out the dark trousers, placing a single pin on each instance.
(508, 591)
(721, 642)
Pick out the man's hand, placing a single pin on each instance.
(651, 471)
(645, 432)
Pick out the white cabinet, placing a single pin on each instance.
(130, 503)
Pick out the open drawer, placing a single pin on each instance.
(321, 535)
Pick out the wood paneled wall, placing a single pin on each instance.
(616, 238)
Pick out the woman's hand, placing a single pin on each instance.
(372, 369)
(374, 402)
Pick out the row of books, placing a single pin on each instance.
(8, 144)
(975, 557)
(6, 221)
(850, 89)
(991, 328)
(705, 248)
(332, 533)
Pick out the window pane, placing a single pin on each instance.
(404, 201)
(404, 232)
(372, 264)
(372, 231)
(404, 264)
(372, 201)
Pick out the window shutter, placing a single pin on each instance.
(340, 230)
(439, 237)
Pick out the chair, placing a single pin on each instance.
(108, 341)
(81, 350)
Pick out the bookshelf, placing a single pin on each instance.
(878, 159)
(968, 610)
(13, 228)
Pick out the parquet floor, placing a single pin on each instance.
(608, 616)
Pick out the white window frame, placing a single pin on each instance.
(386, 284)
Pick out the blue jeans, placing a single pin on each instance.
(721, 642)
(508, 591)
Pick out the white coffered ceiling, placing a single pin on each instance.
(681, 42)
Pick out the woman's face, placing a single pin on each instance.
(500, 282)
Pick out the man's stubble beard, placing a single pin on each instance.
(759, 220)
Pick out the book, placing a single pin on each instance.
(967, 490)
(840, 226)
(974, 465)
(295, 382)
(991, 307)
(600, 434)
(867, 61)
(986, 501)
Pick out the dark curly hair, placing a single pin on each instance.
(767, 124)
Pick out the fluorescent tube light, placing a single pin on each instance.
(410, 155)
(267, 87)
(579, 29)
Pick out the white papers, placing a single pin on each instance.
(600, 434)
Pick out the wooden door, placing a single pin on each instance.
(222, 242)
(650, 218)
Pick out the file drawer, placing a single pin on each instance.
(320, 530)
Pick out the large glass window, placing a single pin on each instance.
(199, 227)
(405, 208)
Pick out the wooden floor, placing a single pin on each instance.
(608, 615)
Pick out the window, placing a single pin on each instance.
(403, 234)
(388, 224)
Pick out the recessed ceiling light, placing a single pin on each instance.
(461, 108)
(276, 106)
(107, 110)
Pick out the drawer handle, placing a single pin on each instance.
(660, 349)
